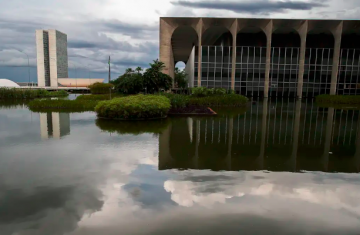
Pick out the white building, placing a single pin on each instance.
(52, 58)
(8, 83)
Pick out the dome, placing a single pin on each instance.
(8, 83)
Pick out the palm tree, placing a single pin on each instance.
(138, 70)
(129, 70)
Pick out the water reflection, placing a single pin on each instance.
(274, 136)
(93, 182)
(54, 125)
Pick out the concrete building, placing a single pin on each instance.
(265, 57)
(52, 58)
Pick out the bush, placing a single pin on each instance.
(203, 91)
(99, 97)
(219, 100)
(338, 99)
(18, 93)
(68, 105)
(177, 101)
(134, 107)
(130, 83)
(101, 88)
(133, 127)
(155, 80)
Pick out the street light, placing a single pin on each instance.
(75, 72)
(28, 63)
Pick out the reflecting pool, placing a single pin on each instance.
(275, 167)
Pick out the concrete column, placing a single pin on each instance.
(329, 127)
(268, 31)
(303, 34)
(337, 32)
(166, 55)
(296, 135)
(200, 32)
(234, 31)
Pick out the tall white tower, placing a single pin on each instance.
(52, 57)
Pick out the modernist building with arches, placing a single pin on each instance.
(265, 57)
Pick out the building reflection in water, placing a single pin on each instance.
(277, 135)
(55, 125)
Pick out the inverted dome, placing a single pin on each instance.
(8, 83)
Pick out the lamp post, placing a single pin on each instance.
(28, 64)
(75, 72)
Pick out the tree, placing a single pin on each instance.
(138, 70)
(154, 79)
(180, 78)
(129, 70)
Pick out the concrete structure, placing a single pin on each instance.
(8, 83)
(265, 57)
(52, 58)
(78, 82)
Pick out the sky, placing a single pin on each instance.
(128, 31)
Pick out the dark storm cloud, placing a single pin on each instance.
(256, 6)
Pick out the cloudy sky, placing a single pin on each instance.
(127, 30)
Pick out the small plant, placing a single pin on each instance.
(177, 101)
(68, 105)
(338, 99)
(99, 97)
(101, 88)
(24, 94)
(134, 107)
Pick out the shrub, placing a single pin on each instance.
(155, 80)
(338, 99)
(18, 93)
(177, 101)
(68, 105)
(199, 91)
(203, 91)
(134, 107)
(130, 83)
(180, 78)
(219, 100)
(99, 97)
(101, 88)
(133, 127)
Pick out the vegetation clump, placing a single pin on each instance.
(134, 107)
(56, 105)
(99, 97)
(338, 99)
(24, 94)
(151, 81)
(101, 88)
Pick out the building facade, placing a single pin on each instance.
(265, 57)
(52, 58)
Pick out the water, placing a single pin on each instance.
(276, 168)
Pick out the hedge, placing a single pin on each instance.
(338, 99)
(101, 88)
(56, 105)
(134, 107)
(18, 93)
(133, 127)
(99, 97)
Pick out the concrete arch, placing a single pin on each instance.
(320, 38)
(251, 36)
(183, 39)
(286, 37)
(217, 36)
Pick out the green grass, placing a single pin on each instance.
(338, 99)
(134, 107)
(24, 94)
(99, 97)
(133, 127)
(39, 105)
